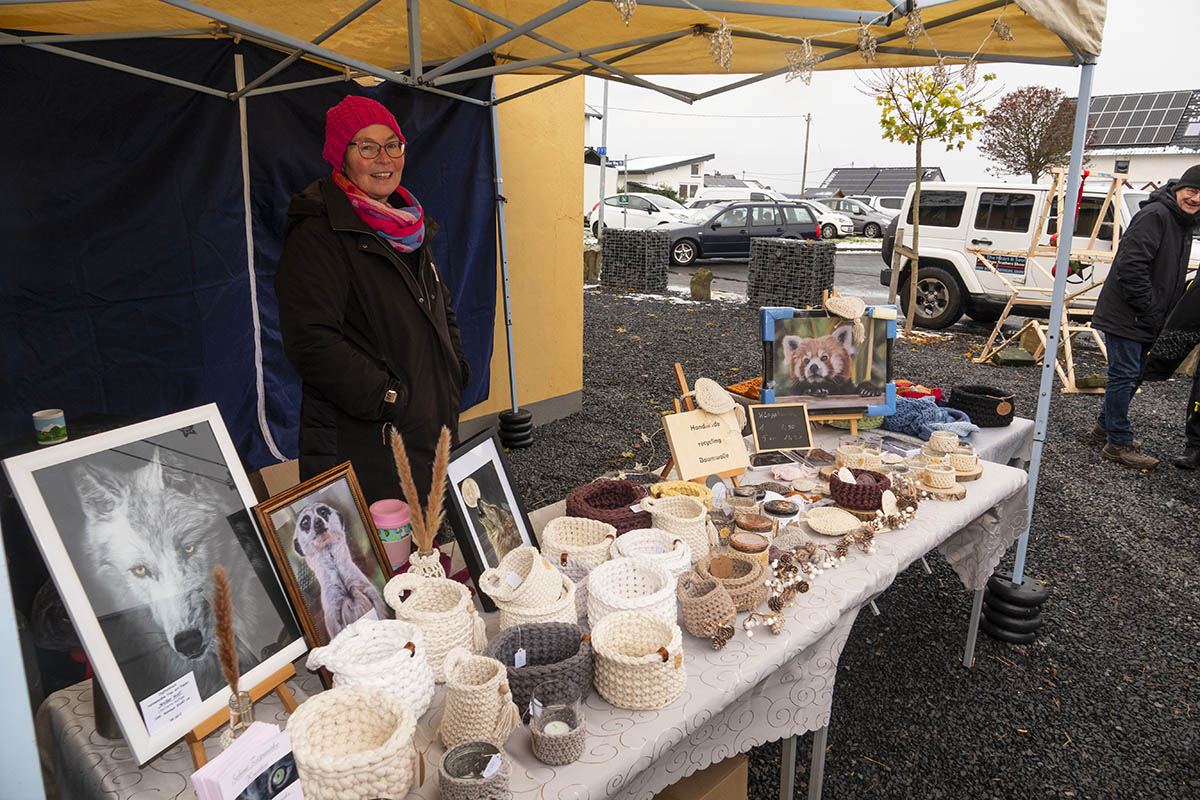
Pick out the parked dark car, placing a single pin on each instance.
(724, 231)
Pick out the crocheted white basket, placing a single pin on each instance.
(563, 609)
(685, 517)
(586, 539)
(479, 703)
(626, 584)
(352, 742)
(444, 612)
(655, 546)
(638, 660)
(524, 578)
(387, 653)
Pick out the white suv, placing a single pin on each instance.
(1001, 216)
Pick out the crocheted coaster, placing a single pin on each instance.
(712, 398)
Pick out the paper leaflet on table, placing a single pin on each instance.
(259, 764)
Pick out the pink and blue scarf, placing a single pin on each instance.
(402, 228)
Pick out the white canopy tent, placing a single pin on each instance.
(423, 45)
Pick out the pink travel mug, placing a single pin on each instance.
(391, 519)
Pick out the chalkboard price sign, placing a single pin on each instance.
(780, 426)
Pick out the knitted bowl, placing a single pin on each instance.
(564, 609)
(524, 578)
(624, 584)
(987, 406)
(553, 651)
(354, 741)
(586, 539)
(687, 488)
(639, 660)
(609, 501)
(655, 546)
(861, 496)
(388, 653)
(746, 584)
(705, 603)
(685, 517)
(444, 612)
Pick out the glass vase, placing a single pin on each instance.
(241, 713)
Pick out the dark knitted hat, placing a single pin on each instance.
(1189, 178)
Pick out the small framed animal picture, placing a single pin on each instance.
(131, 523)
(827, 362)
(485, 509)
(325, 545)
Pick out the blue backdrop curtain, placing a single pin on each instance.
(124, 286)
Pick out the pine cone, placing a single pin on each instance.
(803, 587)
(777, 625)
(775, 603)
(785, 560)
(722, 636)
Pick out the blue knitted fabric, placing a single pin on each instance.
(921, 416)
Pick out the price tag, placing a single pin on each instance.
(519, 658)
(636, 507)
(513, 580)
(493, 766)
(535, 707)
(658, 548)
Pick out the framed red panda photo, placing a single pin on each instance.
(828, 362)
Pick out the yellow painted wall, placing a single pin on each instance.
(541, 146)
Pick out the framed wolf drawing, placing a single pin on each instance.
(829, 363)
(131, 523)
(486, 512)
(325, 546)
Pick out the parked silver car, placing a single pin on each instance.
(867, 221)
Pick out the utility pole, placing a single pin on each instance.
(804, 174)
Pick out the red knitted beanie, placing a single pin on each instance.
(348, 118)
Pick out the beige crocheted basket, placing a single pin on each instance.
(524, 578)
(684, 517)
(563, 609)
(639, 660)
(479, 704)
(625, 584)
(352, 742)
(684, 488)
(654, 546)
(746, 584)
(586, 539)
(388, 653)
(705, 603)
(444, 612)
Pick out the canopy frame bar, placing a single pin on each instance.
(816, 14)
(515, 31)
(537, 37)
(412, 10)
(55, 38)
(363, 8)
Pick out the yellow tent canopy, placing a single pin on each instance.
(661, 37)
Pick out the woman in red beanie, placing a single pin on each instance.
(365, 317)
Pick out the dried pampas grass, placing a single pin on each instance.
(425, 523)
(223, 616)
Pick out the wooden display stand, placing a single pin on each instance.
(1076, 318)
(276, 683)
(732, 474)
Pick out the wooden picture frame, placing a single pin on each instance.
(485, 510)
(131, 523)
(772, 430)
(325, 546)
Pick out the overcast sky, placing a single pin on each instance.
(1149, 45)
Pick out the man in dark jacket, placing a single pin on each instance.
(1146, 280)
(368, 325)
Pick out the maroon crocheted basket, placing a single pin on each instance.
(861, 496)
(609, 501)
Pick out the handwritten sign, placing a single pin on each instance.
(704, 444)
(780, 426)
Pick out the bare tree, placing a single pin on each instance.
(1029, 130)
(918, 105)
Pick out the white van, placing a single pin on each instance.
(1001, 216)
(710, 195)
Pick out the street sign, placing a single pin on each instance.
(601, 151)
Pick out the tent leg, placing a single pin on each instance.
(1054, 327)
(503, 241)
(816, 772)
(787, 768)
(973, 630)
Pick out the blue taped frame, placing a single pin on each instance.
(767, 325)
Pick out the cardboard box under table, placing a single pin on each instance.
(752, 692)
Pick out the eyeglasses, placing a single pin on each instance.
(1190, 191)
(370, 150)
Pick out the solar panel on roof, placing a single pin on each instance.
(1145, 119)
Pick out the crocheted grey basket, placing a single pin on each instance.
(554, 651)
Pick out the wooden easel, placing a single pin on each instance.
(733, 475)
(277, 683)
(1042, 295)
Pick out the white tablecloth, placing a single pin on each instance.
(753, 691)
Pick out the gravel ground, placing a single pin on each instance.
(1103, 705)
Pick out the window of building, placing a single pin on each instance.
(695, 169)
(941, 209)
(1121, 165)
(1002, 211)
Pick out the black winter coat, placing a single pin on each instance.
(359, 318)
(1148, 273)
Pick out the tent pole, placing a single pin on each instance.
(503, 240)
(1066, 231)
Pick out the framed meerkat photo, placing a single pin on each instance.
(485, 510)
(325, 546)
